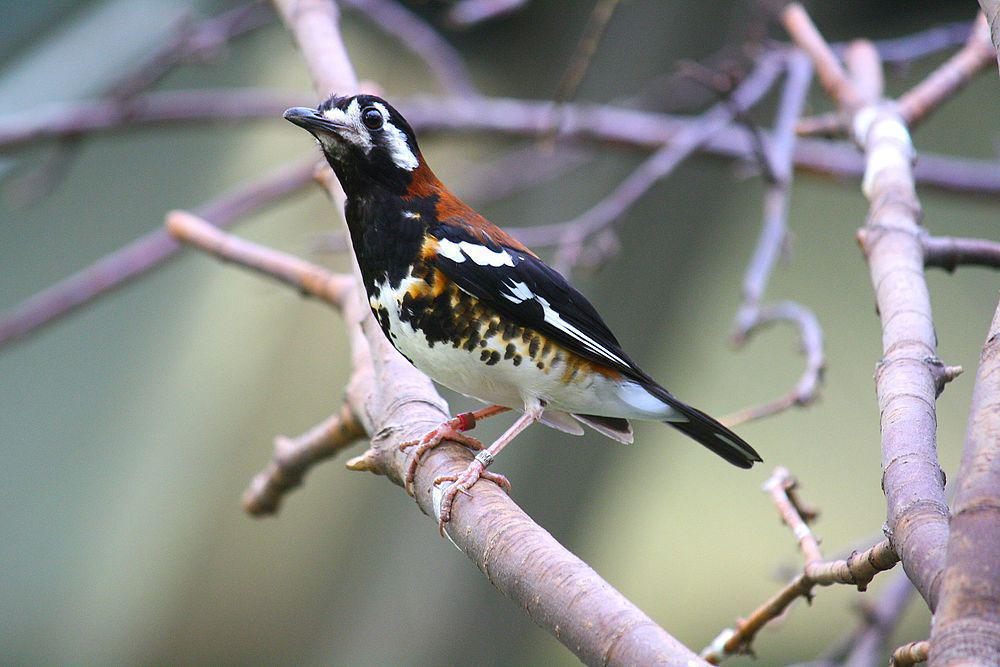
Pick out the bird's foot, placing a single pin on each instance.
(463, 482)
(452, 430)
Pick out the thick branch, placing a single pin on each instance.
(966, 626)
(558, 591)
(906, 380)
(146, 252)
(950, 252)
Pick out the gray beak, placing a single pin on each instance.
(310, 119)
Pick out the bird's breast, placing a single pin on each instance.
(464, 344)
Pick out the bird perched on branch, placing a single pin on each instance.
(476, 310)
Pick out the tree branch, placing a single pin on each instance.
(942, 84)
(293, 457)
(908, 375)
(422, 40)
(751, 315)
(910, 654)
(858, 570)
(150, 250)
(558, 591)
(950, 252)
(966, 627)
(991, 10)
(682, 144)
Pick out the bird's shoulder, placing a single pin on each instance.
(480, 261)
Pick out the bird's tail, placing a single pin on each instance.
(706, 430)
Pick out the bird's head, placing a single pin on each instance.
(364, 139)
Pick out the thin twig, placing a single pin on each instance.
(751, 315)
(942, 84)
(293, 457)
(467, 13)
(610, 209)
(614, 125)
(144, 253)
(950, 252)
(309, 279)
(422, 40)
(910, 654)
(856, 570)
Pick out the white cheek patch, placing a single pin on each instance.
(353, 130)
(395, 139)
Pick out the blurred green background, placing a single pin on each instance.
(130, 429)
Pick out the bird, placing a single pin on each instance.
(478, 311)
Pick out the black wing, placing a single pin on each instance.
(532, 294)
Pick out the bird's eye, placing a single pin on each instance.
(372, 118)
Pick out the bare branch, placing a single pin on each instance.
(910, 654)
(857, 570)
(950, 252)
(991, 10)
(602, 216)
(293, 457)
(774, 233)
(422, 40)
(828, 68)
(966, 627)
(307, 278)
(467, 13)
(907, 376)
(558, 591)
(146, 252)
(950, 77)
(879, 622)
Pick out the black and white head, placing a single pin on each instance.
(363, 137)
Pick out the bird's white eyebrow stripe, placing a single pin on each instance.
(399, 149)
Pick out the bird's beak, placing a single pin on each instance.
(311, 120)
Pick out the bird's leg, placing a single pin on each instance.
(477, 469)
(452, 430)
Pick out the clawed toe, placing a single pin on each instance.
(461, 484)
(450, 430)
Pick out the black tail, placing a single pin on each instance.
(708, 431)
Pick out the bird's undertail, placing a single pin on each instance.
(706, 430)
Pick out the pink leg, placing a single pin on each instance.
(452, 430)
(477, 469)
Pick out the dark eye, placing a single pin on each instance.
(372, 118)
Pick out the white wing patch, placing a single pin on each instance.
(481, 255)
(556, 320)
(519, 292)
